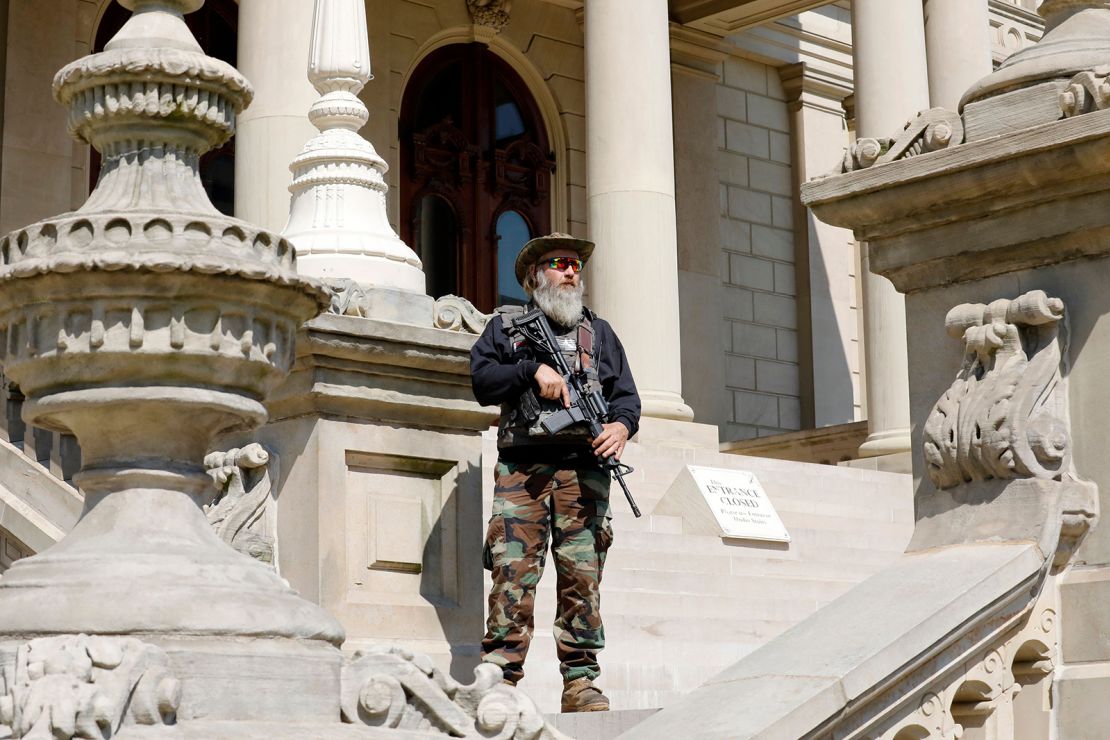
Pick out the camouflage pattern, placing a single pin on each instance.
(531, 505)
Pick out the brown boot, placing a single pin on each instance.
(580, 695)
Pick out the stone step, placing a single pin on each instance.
(599, 725)
(711, 584)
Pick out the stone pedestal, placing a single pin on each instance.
(379, 503)
(946, 230)
(145, 323)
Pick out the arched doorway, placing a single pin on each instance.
(216, 28)
(476, 173)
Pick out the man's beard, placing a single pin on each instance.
(562, 302)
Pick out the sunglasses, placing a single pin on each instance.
(561, 264)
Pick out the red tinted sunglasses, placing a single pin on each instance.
(561, 264)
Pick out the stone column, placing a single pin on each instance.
(631, 195)
(823, 254)
(892, 85)
(273, 49)
(957, 39)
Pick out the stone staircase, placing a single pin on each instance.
(38, 504)
(679, 607)
(599, 725)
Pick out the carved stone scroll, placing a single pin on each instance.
(931, 131)
(1086, 93)
(348, 298)
(1005, 416)
(395, 688)
(455, 313)
(245, 479)
(88, 687)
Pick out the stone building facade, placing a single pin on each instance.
(679, 136)
(761, 367)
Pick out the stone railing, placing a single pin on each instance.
(59, 454)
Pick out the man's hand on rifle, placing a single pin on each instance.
(552, 386)
(610, 443)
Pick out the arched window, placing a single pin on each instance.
(475, 155)
(216, 28)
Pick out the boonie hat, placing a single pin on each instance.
(541, 245)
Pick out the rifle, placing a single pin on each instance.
(587, 407)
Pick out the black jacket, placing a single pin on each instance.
(500, 375)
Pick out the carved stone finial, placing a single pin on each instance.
(492, 14)
(337, 218)
(152, 96)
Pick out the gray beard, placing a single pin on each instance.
(563, 305)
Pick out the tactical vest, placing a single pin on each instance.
(521, 421)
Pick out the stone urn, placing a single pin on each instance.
(145, 323)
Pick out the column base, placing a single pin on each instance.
(665, 405)
(889, 442)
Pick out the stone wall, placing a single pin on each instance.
(757, 251)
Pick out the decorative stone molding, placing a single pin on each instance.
(1086, 93)
(1005, 416)
(395, 688)
(455, 313)
(337, 216)
(931, 131)
(240, 513)
(493, 14)
(77, 686)
(985, 685)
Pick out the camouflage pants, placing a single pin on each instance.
(532, 504)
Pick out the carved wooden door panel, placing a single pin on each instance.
(473, 148)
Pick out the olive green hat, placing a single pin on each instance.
(541, 245)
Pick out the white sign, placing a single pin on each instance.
(740, 504)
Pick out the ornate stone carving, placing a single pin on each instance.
(88, 687)
(348, 298)
(932, 130)
(490, 13)
(455, 313)
(1087, 92)
(860, 154)
(244, 479)
(970, 688)
(1005, 416)
(396, 688)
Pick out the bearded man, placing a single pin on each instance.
(551, 487)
